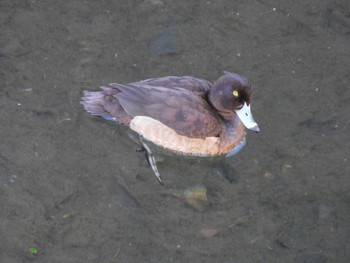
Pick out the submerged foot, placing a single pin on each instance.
(150, 158)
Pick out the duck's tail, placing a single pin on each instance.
(93, 102)
(105, 104)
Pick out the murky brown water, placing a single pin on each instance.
(74, 187)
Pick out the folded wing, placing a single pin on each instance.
(182, 109)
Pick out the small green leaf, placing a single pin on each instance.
(32, 250)
(66, 216)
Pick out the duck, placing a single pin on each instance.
(183, 114)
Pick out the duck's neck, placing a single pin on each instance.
(232, 134)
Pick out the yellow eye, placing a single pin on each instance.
(235, 93)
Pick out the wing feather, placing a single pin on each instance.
(181, 109)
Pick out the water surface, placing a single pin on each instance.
(73, 186)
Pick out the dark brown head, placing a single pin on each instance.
(231, 95)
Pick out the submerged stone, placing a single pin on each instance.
(164, 44)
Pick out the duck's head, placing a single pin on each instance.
(231, 95)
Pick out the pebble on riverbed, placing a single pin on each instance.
(164, 44)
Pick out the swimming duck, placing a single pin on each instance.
(185, 115)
